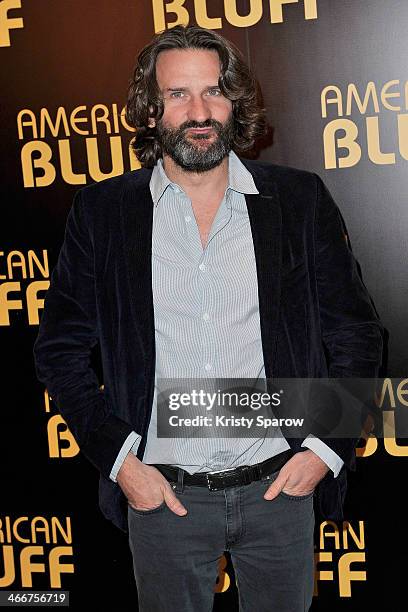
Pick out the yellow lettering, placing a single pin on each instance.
(43, 162)
(8, 23)
(28, 567)
(387, 387)
(310, 9)
(337, 99)
(347, 141)
(16, 524)
(66, 165)
(133, 161)
(358, 540)
(58, 530)
(57, 430)
(385, 95)
(212, 23)
(5, 304)
(74, 120)
(30, 122)
(33, 302)
(402, 391)
(42, 267)
(232, 16)
(102, 118)
(275, 7)
(324, 534)
(176, 7)
(370, 93)
(9, 569)
(124, 122)
(320, 575)
(346, 575)
(223, 580)
(390, 444)
(373, 143)
(369, 448)
(56, 568)
(45, 119)
(39, 524)
(93, 158)
(19, 262)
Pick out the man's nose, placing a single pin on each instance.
(199, 109)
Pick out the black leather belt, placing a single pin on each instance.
(230, 477)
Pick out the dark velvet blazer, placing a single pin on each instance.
(317, 318)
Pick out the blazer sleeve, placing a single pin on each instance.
(68, 331)
(351, 330)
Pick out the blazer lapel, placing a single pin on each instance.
(137, 224)
(265, 217)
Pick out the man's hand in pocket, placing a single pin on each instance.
(145, 487)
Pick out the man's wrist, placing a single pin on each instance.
(130, 462)
(326, 454)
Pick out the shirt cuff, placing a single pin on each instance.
(326, 454)
(130, 444)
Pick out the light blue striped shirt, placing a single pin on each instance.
(206, 317)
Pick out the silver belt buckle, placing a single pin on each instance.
(209, 481)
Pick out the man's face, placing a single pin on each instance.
(197, 126)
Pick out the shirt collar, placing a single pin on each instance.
(239, 179)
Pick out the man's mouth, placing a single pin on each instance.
(206, 130)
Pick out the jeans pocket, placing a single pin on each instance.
(297, 497)
(271, 477)
(148, 510)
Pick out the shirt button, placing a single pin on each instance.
(187, 218)
(202, 266)
(206, 316)
(208, 366)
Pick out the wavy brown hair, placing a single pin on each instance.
(236, 82)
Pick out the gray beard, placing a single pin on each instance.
(190, 157)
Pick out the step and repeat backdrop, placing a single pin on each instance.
(335, 84)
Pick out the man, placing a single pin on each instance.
(203, 264)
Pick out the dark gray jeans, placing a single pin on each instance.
(175, 558)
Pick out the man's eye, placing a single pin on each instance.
(177, 94)
(214, 92)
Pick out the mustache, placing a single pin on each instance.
(203, 124)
